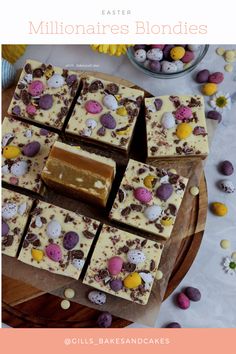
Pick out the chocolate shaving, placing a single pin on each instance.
(136, 207)
(89, 235)
(152, 265)
(101, 131)
(28, 69)
(112, 88)
(141, 170)
(7, 241)
(95, 86)
(129, 267)
(76, 254)
(25, 97)
(124, 249)
(199, 131)
(121, 195)
(38, 73)
(143, 243)
(126, 211)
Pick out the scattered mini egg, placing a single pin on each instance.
(93, 107)
(193, 294)
(108, 121)
(146, 277)
(78, 263)
(136, 256)
(229, 68)
(159, 275)
(220, 51)
(167, 221)
(70, 239)
(65, 304)
(183, 130)
(110, 102)
(164, 191)
(149, 181)
(97, 297)
(209, 89)
(19, 168)
(194, 191)
(152, 212)
(226, 168)
(9, 210)
(56, 81)
(53, 251)
(104, 320)
(227, 186)
(173, 325)
(219, 209)
(202, 76)
(132, 280)
(69, 293)
(168, 120)
(31, 149)
(53, 229)
(91, 123)
(11, 152)
(143, 195)
(115, 265)
(121, 111)
(225, 244)
(37, 254)
(183, 301)
(22, 208)
(116, 284)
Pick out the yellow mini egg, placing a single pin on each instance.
(219, 209)
(148, 181)
(48, 72)
(167, 221)
(123, 132)
(183, 130)
(132, 281)
(177, 53)
(37, 254)
(121, 111)
(209, 89)
(11, 152)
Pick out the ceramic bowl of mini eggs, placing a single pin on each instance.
(166, 60)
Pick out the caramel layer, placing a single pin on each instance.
(82, 163)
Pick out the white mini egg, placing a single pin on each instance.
(87, 132)
(19, 168)
(53, 229)
(56, 81)
(28, 133)
(97, 297)
(38, 222)
(91, 123)
(168, 67)
(7, 138)
(22, 208)
(193, 47)
(155, 54)
(153, 212)
(179, 64)
(5, 169)
(136, 256)
(78, 263)
(146, 277)
(227, 186)
(110, 102)
(9, 210)
(168, 120)
(140, 55)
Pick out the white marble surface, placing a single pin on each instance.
(217, 307)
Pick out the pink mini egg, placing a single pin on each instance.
(115, 265)
(160, 46)
(93, 107)
(36, 88)
(53, 251)
(183, 112)
(31, 109)
(188, 56)
(143, 195)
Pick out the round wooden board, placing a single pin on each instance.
(25, 306)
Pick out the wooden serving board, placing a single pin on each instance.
(26, 306)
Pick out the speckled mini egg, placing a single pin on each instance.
(179, 64)
(143, 195)
(115, 265)
(168, 120)
(9, 210)
(19, 168)
(183, 112)
(7, 138)
(168, 67)
(140, 55)
(78, 263)
(155, 54)
(136, 256)
(91, 123)
(193, 47)
(56, 81)
(146, 277)
(227, 186)
(53, 251)
(53, 229)
(110, 102)
(97, 297)
(153, 212)
(177, 53)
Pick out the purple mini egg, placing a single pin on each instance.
(5, 228)
(31, 149)
(164, 191)
(104, 320)
(70, 240)
(116, 285)
(46, 102)
(108, 121)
